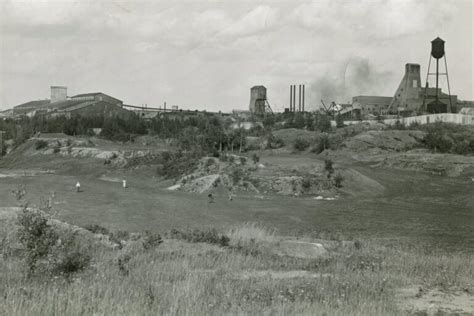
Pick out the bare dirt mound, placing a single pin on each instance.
(388, 140)
(60, 146)
(435, 302)
(213, 175)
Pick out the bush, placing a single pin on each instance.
(323, 123)
(67, 257)
(274, 142)
(36, 235)
(338, 180)
(151, 240)
(339, 121)
(237, 175)
(176, 164)
(437, 139)
(45, 251)
(210, 236)
(323, 144)
(301, 144)
(56, 150)
(328, 166)
(40, 144)
(449, 138)
(255, 158)
(97, 229)
(306, 184)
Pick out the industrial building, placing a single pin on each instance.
(258, 100)
(59, 104)
(374, 105)
(410, 98)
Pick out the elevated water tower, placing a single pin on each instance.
(437, 106)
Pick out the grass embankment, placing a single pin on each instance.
(179, 277)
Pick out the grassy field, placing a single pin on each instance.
(411, 243)
(429, 210)
(179, 278)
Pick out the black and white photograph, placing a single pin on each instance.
(236, 157)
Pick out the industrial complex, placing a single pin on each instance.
(411, 98)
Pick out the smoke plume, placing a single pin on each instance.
(353, 77)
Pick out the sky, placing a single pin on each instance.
(207, 55)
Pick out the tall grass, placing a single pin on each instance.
(181, 278)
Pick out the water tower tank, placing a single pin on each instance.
(437, 48)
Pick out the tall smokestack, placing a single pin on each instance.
(294, 98)
(303, 98)
(299, 98)
(291, 97)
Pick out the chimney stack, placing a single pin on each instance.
(303, 99)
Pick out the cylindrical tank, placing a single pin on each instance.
(437, 48)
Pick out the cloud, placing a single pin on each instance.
(147, 51)
(369, 20)
(259, 20)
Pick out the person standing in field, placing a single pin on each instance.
(124, 183)
(78, 187)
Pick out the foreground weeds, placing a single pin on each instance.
(179, 276)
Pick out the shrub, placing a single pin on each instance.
(339, 121)
(323, 144)
(56, 150)
(399, 125)
(237, 175)
(97, 229)
(36, 235)
(338, 180)
(328, 166)
(40, 144)
(323, 123)
(210, 236)
(175, 164)
(274, 142)
(301, 144)
(44, 250)
(67, 257)
(436, 139)
(306, 184)
(151, 240)
(255, 158)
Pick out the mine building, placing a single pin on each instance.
(410, 98)
(87, 104)
(258, 101)
(375, 105)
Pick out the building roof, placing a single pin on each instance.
(33, 104)
(372, 99)
(77, 106)
(63, 104)
(91, 94)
